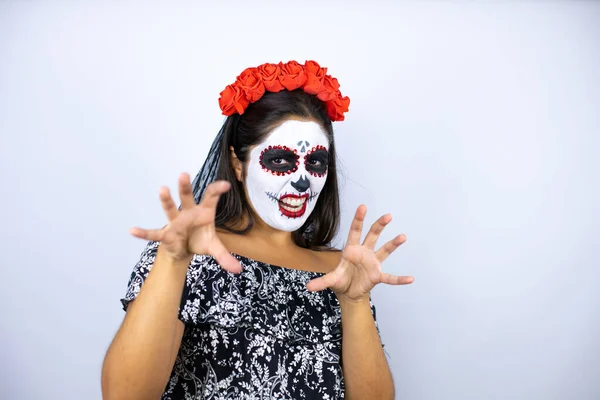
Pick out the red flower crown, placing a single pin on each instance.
(252, 84)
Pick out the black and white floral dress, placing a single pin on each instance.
(256, 335)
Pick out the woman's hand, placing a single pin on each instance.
(191, 229)
(359, 269)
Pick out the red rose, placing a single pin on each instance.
(313, 84)
(312, 67)
(251, 83)
(232, 100)
(331, 89)
(337, 107)
(292, 75)
(269, 73)
(314, 77)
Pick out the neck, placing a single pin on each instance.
(267, 234)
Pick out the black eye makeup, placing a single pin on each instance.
(279, 160)
(316, 161)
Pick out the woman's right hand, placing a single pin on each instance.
(191, 229)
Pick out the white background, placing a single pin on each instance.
(474, 123)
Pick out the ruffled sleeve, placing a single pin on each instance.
(140, 273)
(210, 295)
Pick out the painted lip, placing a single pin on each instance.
(293, 211)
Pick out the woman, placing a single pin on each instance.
(240, 295)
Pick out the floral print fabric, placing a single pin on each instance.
(256, 335)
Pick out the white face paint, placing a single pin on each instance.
(287, 172)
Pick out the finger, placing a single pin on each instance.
(357, 224)
(396, 280)
(213, 192)
(326, 281)
(155, 235)
(390, 247)
(168, 204)
(224, 258)
(375, 231)
(185, 192)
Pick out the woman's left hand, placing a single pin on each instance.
(359, 269)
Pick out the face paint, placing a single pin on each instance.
(287, 172)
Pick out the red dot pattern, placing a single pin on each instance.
(319, 147)
(279, 147)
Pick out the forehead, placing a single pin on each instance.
(294, 133)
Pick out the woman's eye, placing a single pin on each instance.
(278, 159)
(317, 162)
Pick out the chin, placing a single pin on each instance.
(287, 224)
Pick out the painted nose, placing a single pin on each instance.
(301, 184)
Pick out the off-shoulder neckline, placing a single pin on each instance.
(280, 267)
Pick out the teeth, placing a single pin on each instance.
(285, 207)
(294, 202)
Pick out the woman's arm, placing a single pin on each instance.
(139, 362)
(141, 357)
(366, 371)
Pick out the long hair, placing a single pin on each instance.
(244, 131)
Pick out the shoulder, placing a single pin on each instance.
(230, 240)
(329, 257)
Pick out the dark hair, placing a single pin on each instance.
(243, 131)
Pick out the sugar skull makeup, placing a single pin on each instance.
(287, 172)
